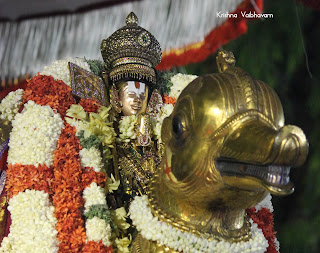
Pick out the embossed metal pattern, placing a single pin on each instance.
(223, 120)
(85, 84)
(131, 51)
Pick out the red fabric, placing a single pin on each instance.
(229, 30)
(5, 91)
(3, 160)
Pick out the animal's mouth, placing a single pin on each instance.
(274, 178)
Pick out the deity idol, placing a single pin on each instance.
(130, 55)
(226, 149)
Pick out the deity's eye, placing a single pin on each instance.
(177, 127)
(142, 95)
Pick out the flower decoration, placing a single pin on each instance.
(96, 247)
(34, 231)
(123, 244)
(169, 100)
(127, 128)
(94, 195)
(265, 203)
(180, 81)
(67, 198)
(22, 177)
(34, 136)
(90, 105)
(10, 105)
(112, 183)
(166, 110)
(97, 229)
(91, 158)
(59, 70)
(119, 218)
(152, 229)
(44, 90)
(77, 112)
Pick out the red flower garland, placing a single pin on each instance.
(264, 219)
(44, 90)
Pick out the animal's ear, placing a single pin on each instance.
(115, 99)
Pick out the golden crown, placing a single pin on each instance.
(131, 52)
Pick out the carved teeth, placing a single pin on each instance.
(272, 174)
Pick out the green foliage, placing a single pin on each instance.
(91, 141)
(163, 81)
(100, 211)
(96, 66)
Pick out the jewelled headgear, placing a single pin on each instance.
(131, 53)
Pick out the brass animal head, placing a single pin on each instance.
(226, 147)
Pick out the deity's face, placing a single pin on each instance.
(133, 97)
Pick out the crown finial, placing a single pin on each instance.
(132, 19)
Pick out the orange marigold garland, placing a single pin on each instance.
(44, 90)
(90, 176)
(22, 177)
(67, 198)
(90, 105)
(96, 247)
(169, 100)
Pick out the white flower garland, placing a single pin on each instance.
(60, 69)
(9, 106)
(93, 195)
(153, 229)
(265, 203)
(180, 81)
(33, 224)
(166, 110)
(97, 229)
(91, 158)
(34, 136)
(126, 128)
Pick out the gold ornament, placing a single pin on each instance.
(131, 53)
(226, 146)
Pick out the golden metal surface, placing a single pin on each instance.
(225, 59)
(142, 245)
(131, 53)
(136, 166)
(131, 102)
(226, 146)
(143, 130)
(3, 214)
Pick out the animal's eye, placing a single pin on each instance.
(177, 127)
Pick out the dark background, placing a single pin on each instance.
(285, 53)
